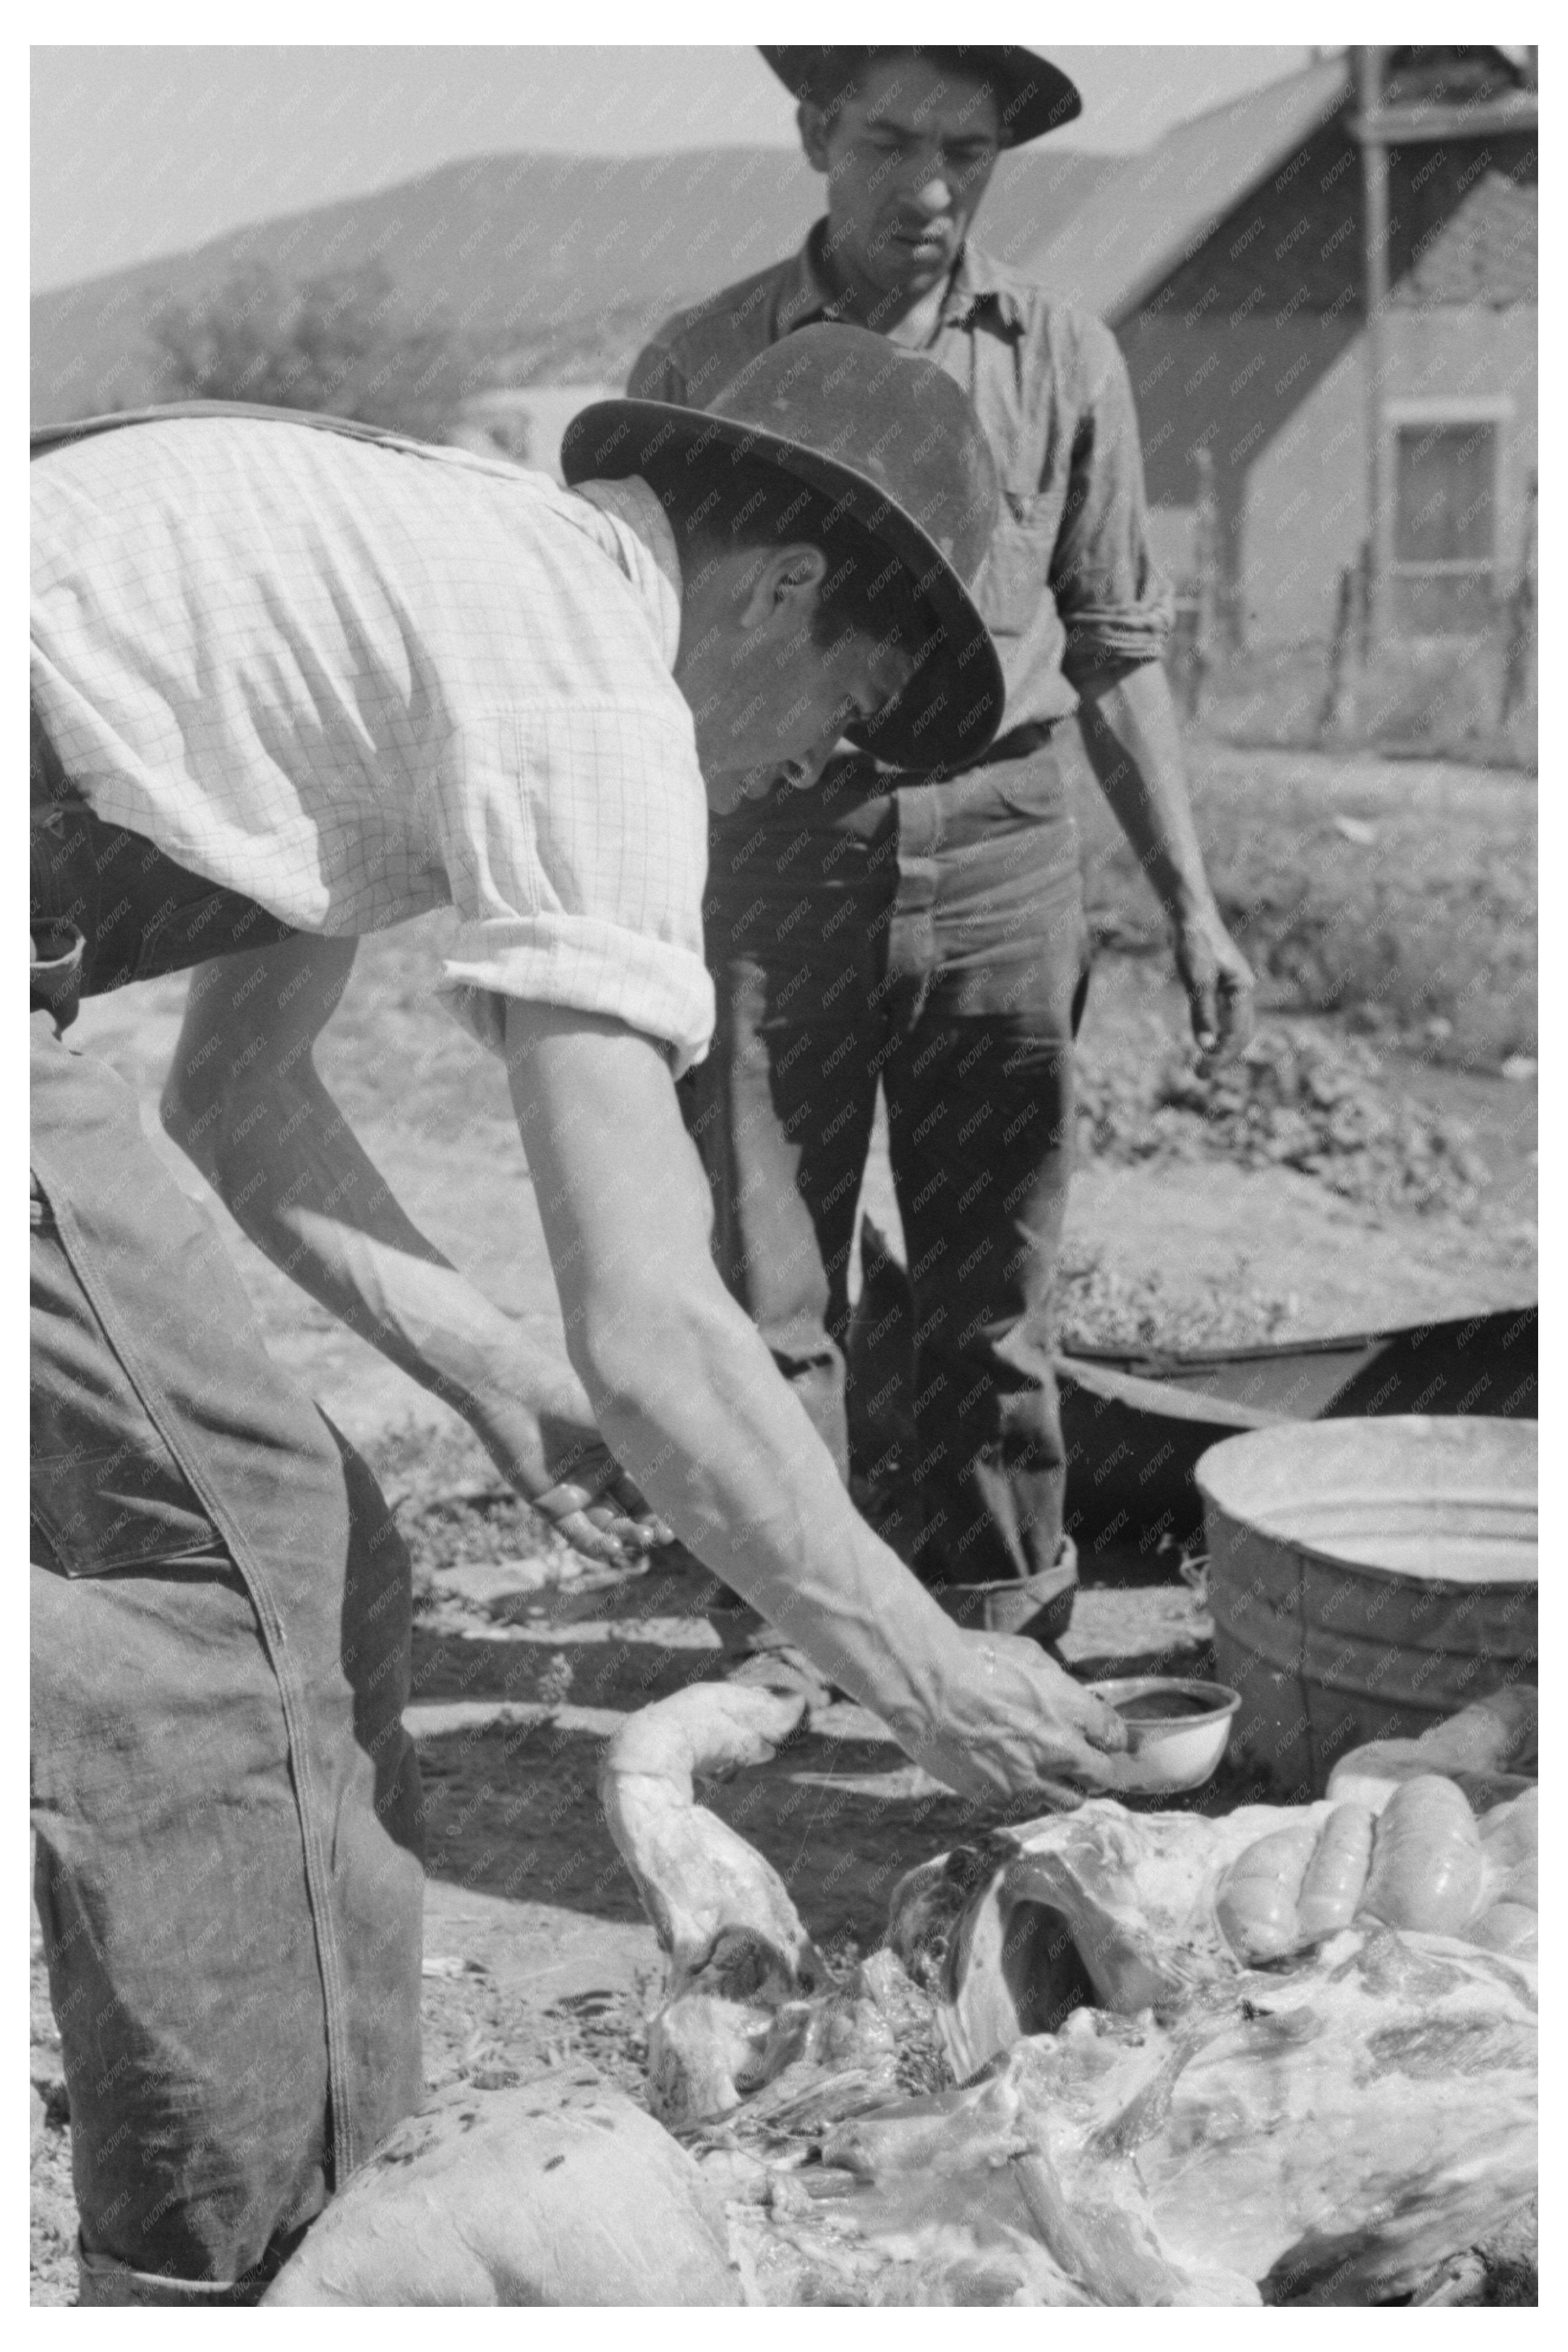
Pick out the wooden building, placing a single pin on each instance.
(1326, 292)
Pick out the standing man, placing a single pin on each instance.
(293, 682)
(920, 923)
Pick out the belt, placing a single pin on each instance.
(1018, 743)
(857, 798)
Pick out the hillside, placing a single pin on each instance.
(559, 263)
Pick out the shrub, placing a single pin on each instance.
(344, 343)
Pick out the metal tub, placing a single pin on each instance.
(1137, 1420)
(1366, 1578)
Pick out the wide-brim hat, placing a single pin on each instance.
(1033, 95)
(894, 445)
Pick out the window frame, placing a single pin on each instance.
(1402, 413)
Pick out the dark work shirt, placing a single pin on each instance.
(1069, 583)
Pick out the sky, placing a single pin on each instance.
(139, 152)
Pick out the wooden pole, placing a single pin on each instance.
(1332, 711)
(1518, 648)
(1207, 565)
(1375, 197)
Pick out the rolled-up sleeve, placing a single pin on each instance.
(574, 842)
(1115, 604)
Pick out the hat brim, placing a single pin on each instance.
(950, 709)
(1036, 96)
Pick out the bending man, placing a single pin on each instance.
(294, 682)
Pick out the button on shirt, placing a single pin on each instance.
(356, 682)
(1069, 583)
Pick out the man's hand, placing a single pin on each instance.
(1135, 747)
(1219, 983)
(1007, 1723)
(590, 1499)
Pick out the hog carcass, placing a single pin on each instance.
(558, 2192)
(1330, 2136)
(1488, 1749)
(1156, 2119)
(1128, 1912)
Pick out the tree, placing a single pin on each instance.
(344, 342)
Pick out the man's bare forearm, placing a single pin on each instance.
(1134, 745)
(689, 1396)
(1130, 732)
(301, 1186)
(245, 1101)
(691, 1401)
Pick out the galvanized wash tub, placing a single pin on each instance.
(1366, 1579)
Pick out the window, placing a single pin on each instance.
(1447, 470)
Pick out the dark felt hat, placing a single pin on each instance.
(895, 445)
(1033, 95)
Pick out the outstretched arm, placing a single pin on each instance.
(244, 1100)
(689, 1396)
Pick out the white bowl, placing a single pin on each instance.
(1178, 1750)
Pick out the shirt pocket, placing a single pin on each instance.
(1037, 789)
(1015, 579)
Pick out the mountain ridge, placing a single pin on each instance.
(550, 264)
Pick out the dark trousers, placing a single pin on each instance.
(226, 1804)
(932, 938)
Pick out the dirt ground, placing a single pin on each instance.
(535, 1946)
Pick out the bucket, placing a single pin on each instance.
(1366, 1578)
